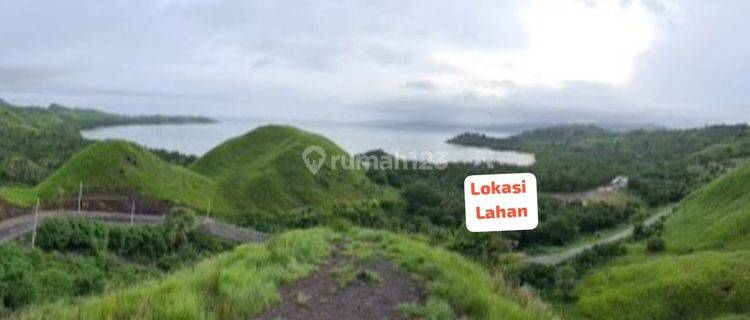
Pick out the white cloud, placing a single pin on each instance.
(568, 40)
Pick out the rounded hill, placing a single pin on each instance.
(265, 171)
(120, 167)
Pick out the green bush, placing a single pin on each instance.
(542, 277)
(597, 255)
(484, 247)
(641, 231)
(73, 235)
(655, 244)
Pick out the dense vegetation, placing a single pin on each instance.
(35, 276)
(663, 165)
(77, 257)
(175, 244)
(432, 203)
(35, 141)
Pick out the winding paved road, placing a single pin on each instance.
(560, 257)
(15, 227)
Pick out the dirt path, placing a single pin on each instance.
(15, 227)
(346, 289)
(560, 257)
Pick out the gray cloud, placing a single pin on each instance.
(426, 85)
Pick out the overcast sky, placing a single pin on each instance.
(669, 62)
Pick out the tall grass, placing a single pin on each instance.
(716, 216)
(696, 286)
(235, 285)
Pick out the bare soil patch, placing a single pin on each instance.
(347, 289)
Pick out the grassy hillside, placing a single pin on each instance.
(715, 217)
(263, 171)
(242, 283)
(119, 167)
(696, 286)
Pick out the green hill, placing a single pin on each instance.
(244, 282)
(123, 168)
(263, 171)
(716, 216)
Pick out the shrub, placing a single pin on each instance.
(565, 283)
(17, 288)
(542, 277)
(484, 247)
(641, 231)
(655, 244)
(180, 222)
(598, 254)
(72, 234)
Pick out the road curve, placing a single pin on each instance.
(17, 226)
(560, 257)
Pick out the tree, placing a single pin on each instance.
(180, 222)
(419, 195)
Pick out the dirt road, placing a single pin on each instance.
(560, 257)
